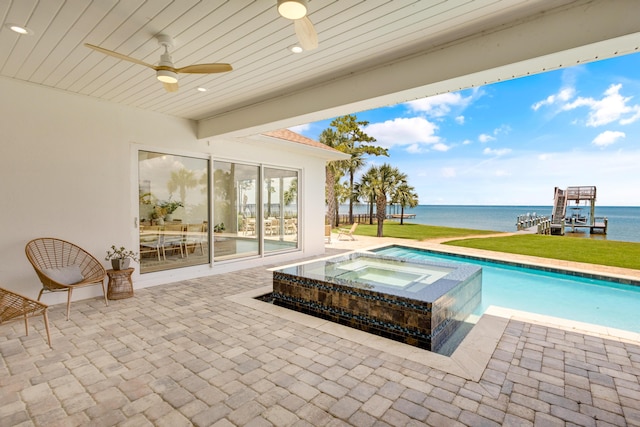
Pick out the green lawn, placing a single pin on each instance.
(603, 252)
(416, 231)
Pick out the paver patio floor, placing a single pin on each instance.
(185, 354)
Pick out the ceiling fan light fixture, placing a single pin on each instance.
(292, 9)
(167, 76)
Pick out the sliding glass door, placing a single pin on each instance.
(251, 210)
(280, 201)
(173, 194)
(236, 232)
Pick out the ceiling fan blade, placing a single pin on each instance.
(205, 68)
(306, 33)
(118, 55)
(170, 87)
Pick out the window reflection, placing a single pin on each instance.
(235, 201)
(280, 197)
(173, 211)
(247, 218)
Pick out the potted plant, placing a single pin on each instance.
(120, 257)
(168, 208)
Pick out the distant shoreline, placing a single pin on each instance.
(624, 221)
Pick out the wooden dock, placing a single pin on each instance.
(533, 224)
(399, 216)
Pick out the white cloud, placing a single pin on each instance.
(485, 137)
(414, 149)
(300, 128)
(612, 107)
(564, 95)
(496, 151)
(607, 138)
(448, 172)
(441, 147)
(466, 142)
(501, 172)
(413, 132)
(459, 120)
(440, 105)
(505, 129)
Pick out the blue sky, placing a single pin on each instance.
(511, 143)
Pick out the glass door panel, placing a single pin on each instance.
(173, 211)
(235, 201)
(280, 208)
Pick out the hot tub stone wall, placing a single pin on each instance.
(422, 324)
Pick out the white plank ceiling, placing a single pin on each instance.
(250, 35)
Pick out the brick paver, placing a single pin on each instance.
(182, 354)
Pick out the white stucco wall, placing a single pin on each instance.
(68, 170)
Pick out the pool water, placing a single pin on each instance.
(381, 272)
(600, 302)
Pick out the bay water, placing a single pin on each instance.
(624, 221)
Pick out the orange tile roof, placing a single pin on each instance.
(287, 135)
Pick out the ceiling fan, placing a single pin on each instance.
(165, 70)
(296, 10)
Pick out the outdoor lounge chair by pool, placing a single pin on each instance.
(348, 232)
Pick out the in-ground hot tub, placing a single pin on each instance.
(421, 303)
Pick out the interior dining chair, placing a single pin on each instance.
(151, 241)
(173, 239)
(62, 266)
(195, 235)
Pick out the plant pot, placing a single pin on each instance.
(120, 263)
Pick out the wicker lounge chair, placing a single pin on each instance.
(14, 306)
(63, 266)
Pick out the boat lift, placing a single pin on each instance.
(576, 218)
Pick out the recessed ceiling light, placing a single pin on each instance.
(202, 89)
(19, 29)
(296, 49)
(292, 9)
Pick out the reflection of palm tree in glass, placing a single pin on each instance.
(182, 180)
(291, 193)
(269, 190)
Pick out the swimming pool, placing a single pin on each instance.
(555, 294)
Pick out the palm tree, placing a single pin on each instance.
(355, 163)
(405, 195)
(385, 181)
(342, 195)
(365, 190)
(332, 169)
(355, 142)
